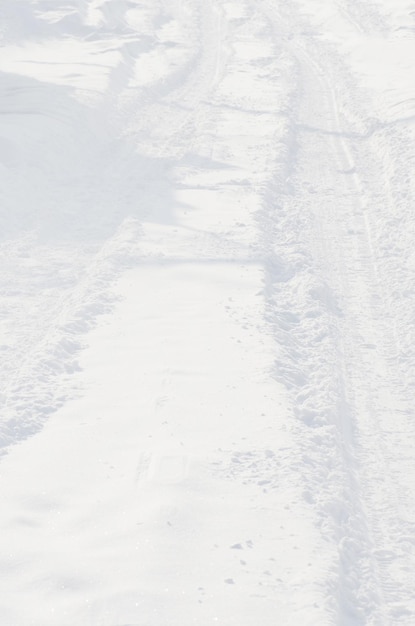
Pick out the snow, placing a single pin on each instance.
(206, 323)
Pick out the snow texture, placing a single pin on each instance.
(207, 327)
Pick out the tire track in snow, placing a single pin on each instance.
(312, 318)
(40, 374)
(166, 115)
(377, 320)
(350, 214)
(339, 210)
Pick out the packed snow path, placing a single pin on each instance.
(207, 313)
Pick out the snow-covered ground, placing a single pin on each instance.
(207, 312)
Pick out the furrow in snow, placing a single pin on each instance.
(42, 345)
(377, 324)
(356, 383)
(322, 312)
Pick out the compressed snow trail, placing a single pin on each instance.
(206, 411)
(346, 365)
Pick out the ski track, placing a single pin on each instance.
(188, 136)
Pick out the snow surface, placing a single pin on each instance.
(207, 320)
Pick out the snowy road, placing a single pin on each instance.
(207, 313)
